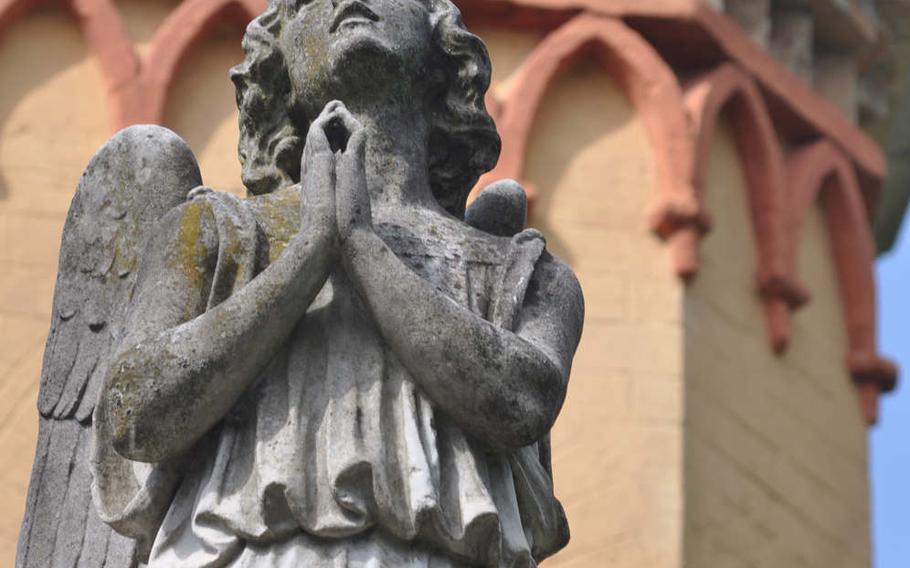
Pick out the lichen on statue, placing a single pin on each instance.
(343, 369)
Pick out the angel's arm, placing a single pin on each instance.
(504, 388)
(180, 369)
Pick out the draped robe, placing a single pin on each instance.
(334, 457)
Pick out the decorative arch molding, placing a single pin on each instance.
(106, 39)
(679, 128)
(808, 112)
(137, 87)
(728, 90)
(10, 10)
(120, 65)
(644, 77)
(820, 171)
(177, 36)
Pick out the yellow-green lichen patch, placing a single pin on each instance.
(279, 213)
(191, 251)
(232, 247)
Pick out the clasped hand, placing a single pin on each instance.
(334, 197)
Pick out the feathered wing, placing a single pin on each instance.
(500, 208)
(136, 177)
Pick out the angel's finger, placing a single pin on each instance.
(316, 145)
(318, 165)
(354, 156)
(347, 120)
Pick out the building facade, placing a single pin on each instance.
(700, 166)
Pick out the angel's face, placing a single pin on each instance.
(329, 44)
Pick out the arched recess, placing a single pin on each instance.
(49, 107)
(647, 81)
(106, 38)
(177, 36)
(821, 171)
(729, 90)
(120, 66)
(10, 10)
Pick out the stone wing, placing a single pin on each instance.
(136, 177)
(500, 208)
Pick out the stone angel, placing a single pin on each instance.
(345, 369)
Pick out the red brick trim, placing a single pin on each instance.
(821, 171)
(674, 22)
(644, 77)
(10, 10)
(137, 88)
(106, 38)
(177, 36)
(729, 90)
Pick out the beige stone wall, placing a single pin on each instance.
(617, 446)
(775, 447)
(202, 109)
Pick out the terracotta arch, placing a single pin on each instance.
(730, 91)
(644, 77)
(10, 10)
(184, 27)
(821, 171)
(106, 39)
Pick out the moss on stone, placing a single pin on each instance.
(191, 252)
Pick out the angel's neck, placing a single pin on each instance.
(396, 155)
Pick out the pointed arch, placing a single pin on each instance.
(647, 81)
(185, 27)
(728, 90)
(821, 171)
(107, 39)
(11, 10)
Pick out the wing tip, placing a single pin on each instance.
(501, 208)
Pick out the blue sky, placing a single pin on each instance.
(890, 441)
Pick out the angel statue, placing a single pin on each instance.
(344, 369)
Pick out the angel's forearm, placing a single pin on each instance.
(166, 392)
(495, 384)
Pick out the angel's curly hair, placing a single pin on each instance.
(463, 141)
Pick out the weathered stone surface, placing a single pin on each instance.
(345, 365)
(501, 209)
(137, 176)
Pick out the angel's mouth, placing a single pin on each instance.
(353, 14)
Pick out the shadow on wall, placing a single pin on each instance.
(142, 18)
(26, 93)
(201, 106)
(560, 140)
